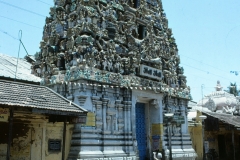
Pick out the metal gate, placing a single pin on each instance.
(141, 130)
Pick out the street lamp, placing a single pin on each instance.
(169, 117)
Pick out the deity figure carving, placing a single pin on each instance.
(115, 36)
(108, 121)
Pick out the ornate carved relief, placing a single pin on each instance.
(113, 39)
(81, 99)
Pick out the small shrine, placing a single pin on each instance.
(220, 101)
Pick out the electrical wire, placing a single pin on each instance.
(234, 72)
(20, 39)
(22, 8)
(8, 34)
(206, 72)
(44, 2)
(207, 87)
(183, 64)
(41, 28)
(20, 22)
(192, 75)
(204, 63)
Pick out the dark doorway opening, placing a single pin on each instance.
(141, 131)
(221, 147)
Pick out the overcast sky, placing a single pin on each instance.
(207, 34)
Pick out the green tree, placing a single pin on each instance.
(233, 89)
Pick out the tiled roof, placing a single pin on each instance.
(8, 69)
(226, 118)
(35, 96)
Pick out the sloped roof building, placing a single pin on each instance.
(222, 122)
(32, 115)
(38, 98)
(9, 71)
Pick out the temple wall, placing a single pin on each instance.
(115, 58)
(196, 136)
(110, 130)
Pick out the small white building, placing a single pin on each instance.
(220, 101)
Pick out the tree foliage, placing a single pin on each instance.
(233, 89)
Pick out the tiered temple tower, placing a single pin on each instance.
(119, 60)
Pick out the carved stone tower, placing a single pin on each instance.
(119, 60)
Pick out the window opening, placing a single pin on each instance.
(136, 3)
(141, 32)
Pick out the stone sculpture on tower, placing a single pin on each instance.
(95, 53)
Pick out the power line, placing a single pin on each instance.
(8, 34)
(20, 22)
(44, 2)
(18, 39)
(202, 77)
(234, 72)
(22, 9)
(203, 63)
(223, 84)
(206, 72)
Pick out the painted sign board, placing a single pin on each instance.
(157, 130)
(179, 119)
(4, 113)
(90, 119)
(151, 72)
(176, 119)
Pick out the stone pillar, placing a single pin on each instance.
(120, 120)
(127, 119)
(98, 111)
(160, 106)
(111, 116)
(104, 115)
(133, 116)
(184, 127)
(119, 108)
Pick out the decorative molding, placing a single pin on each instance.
(81, 99)
(155, 103)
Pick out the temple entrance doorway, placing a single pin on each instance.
(141, 135)
(221, 147)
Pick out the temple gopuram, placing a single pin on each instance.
(118, 59)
